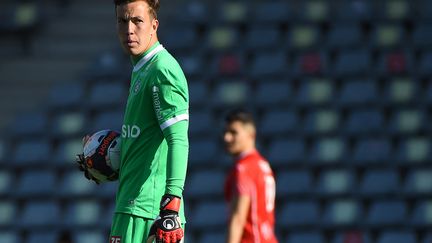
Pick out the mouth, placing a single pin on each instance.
(131, 43)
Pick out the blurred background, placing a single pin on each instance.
(341, 91)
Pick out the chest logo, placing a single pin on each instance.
(137, 87)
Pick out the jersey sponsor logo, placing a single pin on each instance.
(137, 86)
(156, 102)
(115, 239)
(130, 131)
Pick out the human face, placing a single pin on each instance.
(136, 27)
(239, 137)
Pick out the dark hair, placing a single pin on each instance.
(153, 4)
(240, 115)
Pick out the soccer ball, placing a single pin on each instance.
(102, 155)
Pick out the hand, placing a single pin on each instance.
(82, 165)
(167, 228)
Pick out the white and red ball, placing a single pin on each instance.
(102, 155)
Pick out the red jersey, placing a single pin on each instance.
(252, 176)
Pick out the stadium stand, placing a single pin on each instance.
(341, 91)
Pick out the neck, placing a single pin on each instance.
(136, 58)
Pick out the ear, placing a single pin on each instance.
(155, 25)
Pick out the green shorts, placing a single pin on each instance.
(128, 228)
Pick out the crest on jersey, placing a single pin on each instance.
(137, 87)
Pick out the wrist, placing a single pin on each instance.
(170, 204)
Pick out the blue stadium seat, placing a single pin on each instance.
(278, 123)
(292, 183)
(222, 38)
(40, 214)
(344, 36)
(105, 96)
(36, 183)
(4, 147)
(393, 11)
(425, 64)
(192, 65)
(313, 11)
(202, 123)
(30, 124)
(421, 214)
(32, 152)
(198, 92)
(323, 121)
(74, 185)
(407, 121)
(8, 213)
(352, 63)
(418, 182)
(427, 238)
(107, 190)
(202, 152)
(272, 93)
(94, 236)
(422, 36)
(305, 236)
(178, 38)
(216, 210)
(396, 237)
(230, 93)
(372, 150)
(328, 150)
(66, 151)
(107, 120)
(299, 213)
(414, 150)
(351, 236)
(386, 213)
(212, 237)
(342, 213)
(336, 182)
(304, 37)
(262, 37)
(269, 64)
(315, 92)
(10, 236)
(232, 12)
(7, 179)
(205, 183)
(354, 11)
(67, 95)
(42, 236)
(68, 123)
(192, 12)
(280, 12)
(379, 182)
(401, 91)
(283, 152)
(82, 213)
(387, 36)
(364, 122)
(358, 92)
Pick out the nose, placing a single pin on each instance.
(129, 28)
(227, 137)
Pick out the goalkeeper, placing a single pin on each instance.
(155, 146)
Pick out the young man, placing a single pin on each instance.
(154, 149)
(250, 185)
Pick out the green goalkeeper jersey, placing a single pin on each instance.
(158, 101)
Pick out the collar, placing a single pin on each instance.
(148, 55)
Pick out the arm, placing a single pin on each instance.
(239, 210)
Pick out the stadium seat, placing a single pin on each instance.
(205, 183)
(422, 36)
(203, 152)
(379, 182)
(407, 121)
(303, 37)
(278, 123)
(213, 237)
(427, 238)
(68, 123)
(313, 11)
(74, 185)
(8, 213)
(352, 63)
(396, 237)
(352, 11)
(372, 150)
(283, 152)
(30, 124)
(94, 236)
(336, 182)
(322, 121)
(387, 36)
(108, 190)
(66, 151)
(194, 12)
(3, 149)
(216, 210)
(107, 120)
(280, 12)
(351, 237)
(192, 65)
(32, 152)
(418, 182)
(82, 213)
(310, 64)
(422, 214)
(232, 12)
(37, 214)
(292, 183)
(36, 183)
(395, 63)
(7, 179)
(344, 36)
(299, 213)
(198, 92)
(221, 38)
(341, 213)
(201, 123)
(327, 150)
(269, 64)
(305, 236)
(281, 92)
(226, 64)
(358, 92)
(105, 96)
(364, 122)
(393, 10)
(42, 236)
(401, 91)
(386, 213)
(10, 236)
(315, 91)
(178, 38)
(262, 37)
(67, 95)
(425, 65)
(232, 93)
(414, 150)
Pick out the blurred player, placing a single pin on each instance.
(250, 185)
(155, 145)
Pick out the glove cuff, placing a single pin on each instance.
(170, 203)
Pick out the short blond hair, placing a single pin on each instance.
(153, 4)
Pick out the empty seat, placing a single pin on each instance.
(212, 237)
(10, 236)
(283, 152)
(227, 64)
(342, 212)
(70, 123)
(192, 65)
(393, 10)
(178, 38)
(387, 36)
(308, 236)
(8, 213)
(30, 124)
(222, 38)
(109, 94)
(66, 152)
(3, 148)
(352, 63)
(272, 93)
(32, 152)
(299, 213)
(232, 12)
(94, 236)
(40, 214)
(344, 35)
(202, 123)
(280, 12)
(351, 237)
(364, 122)
(205, 183)
(313, 11)
(422, 214)
(74, 185)
(216, 210)
(202, 152)
(303, 36)
(336, 182)
(371, 150)
(255, 40)
(358, 92)
(42, 236)
(230, 93)
(269, 64)
(277, 123)
(107, 120)
(198, 92)
(425, 64)
(407, 121)
(67, 95)
(322, 121)
(82, 213)
(401, 91)
(414, 150)
(291, 183)
(422, 36)
(315, 92)
(310, 64)
(396, 237)
(7, 179)
(382, 213)
(419, 182)
(395, 63)
(354, 11)
(38, 183)
(328, 150)
(379, 182)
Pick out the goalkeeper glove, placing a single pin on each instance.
(82, 166)
(167, 228)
